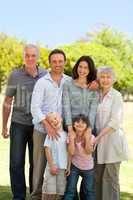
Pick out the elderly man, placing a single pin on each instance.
(19, 91)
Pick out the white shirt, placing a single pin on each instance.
(58, 149)
(113, 146)
(46, 97)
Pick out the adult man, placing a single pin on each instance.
(47, 97)
(19, 90)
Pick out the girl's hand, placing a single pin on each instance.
(67, 172)
(87, 134)
(71, 137)
(71, 134)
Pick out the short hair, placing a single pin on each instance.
(91, 66)
(57, 51)
(82, 117)
(30, 46)
(106, 70)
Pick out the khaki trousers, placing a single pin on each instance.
(107, 181)
(39, 164)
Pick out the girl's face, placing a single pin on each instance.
(106, 80)
(83, 69)
(80, 126)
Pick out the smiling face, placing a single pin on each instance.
(30, 57)
(106, 81)
(83, 69)
(80, 126)
(57, 63)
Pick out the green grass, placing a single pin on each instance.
(126, 172)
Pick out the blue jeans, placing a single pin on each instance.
(87, 183)
(20, 136)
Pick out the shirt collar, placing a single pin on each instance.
(38, 71)
(109, 94)
(48, 77)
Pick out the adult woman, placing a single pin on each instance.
(77, 97)
(112, 146)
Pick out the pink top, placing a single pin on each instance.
(81, 159)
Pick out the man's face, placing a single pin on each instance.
(57, 63)
(30, 57)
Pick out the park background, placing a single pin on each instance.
(101, 29)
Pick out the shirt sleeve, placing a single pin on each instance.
(93, 109)
(11, 86)
(37, 99)
(66, 104)
(116, 112)
(48, 142)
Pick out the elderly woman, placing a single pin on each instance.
(111, 142)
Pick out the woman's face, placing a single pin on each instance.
(106, 80)
(83, 69)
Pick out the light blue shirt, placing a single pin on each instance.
(46, 97)
(58, 149)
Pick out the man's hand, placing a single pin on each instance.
(5, 133)
(52, 133)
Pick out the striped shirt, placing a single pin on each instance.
(77, 100)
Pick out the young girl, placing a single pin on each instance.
(56, 153)
(80, 147)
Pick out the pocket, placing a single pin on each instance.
(125, 149)
(121, 147)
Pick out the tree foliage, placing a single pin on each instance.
(106, 46)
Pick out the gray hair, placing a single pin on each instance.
(29, 46)
(106, 70)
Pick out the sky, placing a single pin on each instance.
(58, 22)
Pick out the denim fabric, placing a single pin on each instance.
(20, 136)
(87, 181)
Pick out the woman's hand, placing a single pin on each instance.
(94, 85)
(71, 133)
(96, 141)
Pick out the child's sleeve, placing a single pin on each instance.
(48, 142)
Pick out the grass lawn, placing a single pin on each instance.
(126, 173)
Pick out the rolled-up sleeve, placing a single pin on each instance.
(116, 112)
(66, 104)
(93, 108)
(38, 96)
(48, 142)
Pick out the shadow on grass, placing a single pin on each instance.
(5, 193)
